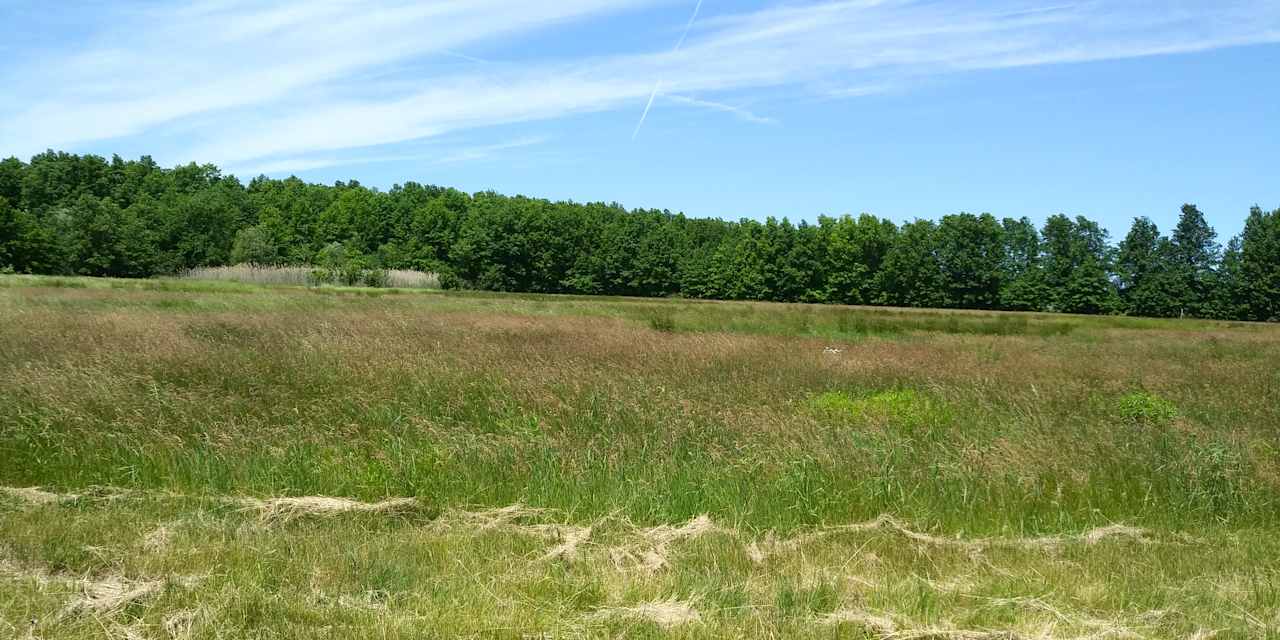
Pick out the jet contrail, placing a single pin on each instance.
(648, 105)
(657, 85)
(689, 25)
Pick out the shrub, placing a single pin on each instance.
(376, 278)
(1142, 408)
(350, 274)
(662, 320)
(449, 280)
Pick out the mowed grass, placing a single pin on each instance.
(562, 453)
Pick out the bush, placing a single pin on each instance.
(449, 280)
(319, 276)
(1144, 409)
(376, 278)
(350, 274)
(662, 320)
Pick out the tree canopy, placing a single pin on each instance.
(63, 213)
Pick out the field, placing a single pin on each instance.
(185, 459)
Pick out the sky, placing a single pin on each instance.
(745, 109)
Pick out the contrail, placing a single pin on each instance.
(648, 105)
(657, 85)
(689, 25)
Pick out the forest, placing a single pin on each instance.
(70, 214)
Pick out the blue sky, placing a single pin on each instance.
(896, 107)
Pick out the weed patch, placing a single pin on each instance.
(905, 408)
(662, 320)
(1145, 409)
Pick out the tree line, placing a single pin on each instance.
(63, 213)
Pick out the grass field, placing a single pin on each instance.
(188, 459)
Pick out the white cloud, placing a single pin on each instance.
(300, 80)
(740, 112)
(433, 157)
(150, 66)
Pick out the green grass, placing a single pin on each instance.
(777, 421)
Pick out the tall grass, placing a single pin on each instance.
(619, 415)
(409, 279)
(307, 276)
(251, 274)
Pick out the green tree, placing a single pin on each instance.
(110, 241)
(496, 247)
(701, 241)
(132, 180)
(1144, 271)
(739, 266)
(1229, 299)
(60, 178)
(67, 213)
(855, 253)
(12, 172)
(205, 223)
(912, 275)
(1193, 258)
(1022, 286)
(1077, 261)
(803, 273)
(354, 206)
(1259, 269)
(438, 225)
(253, 245)
(970, 253)
(12, 230)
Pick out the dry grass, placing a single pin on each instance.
(291, 508)
(651, 551)
(35, 495)
(409, 279)
(252, 274)
(300, 276)
(648, 548)
(111, 594)
(665, 614)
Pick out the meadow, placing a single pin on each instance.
(191, 459)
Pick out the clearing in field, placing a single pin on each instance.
(220, 460)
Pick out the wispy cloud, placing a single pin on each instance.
(298, 81)
(740, 112)
(485, 152)
(430, 157)
(149, 64)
